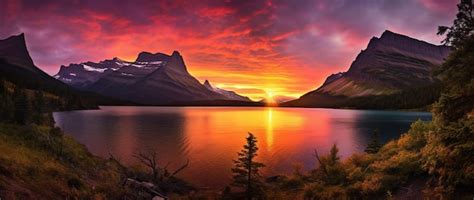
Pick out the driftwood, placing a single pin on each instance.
(145, 186)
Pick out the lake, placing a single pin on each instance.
(210, 137)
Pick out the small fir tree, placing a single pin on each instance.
(246, 170)
(374, 144)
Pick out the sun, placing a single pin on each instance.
(270, 98)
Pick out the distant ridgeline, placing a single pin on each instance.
(394, 72)
(152, 79)
(28, 94)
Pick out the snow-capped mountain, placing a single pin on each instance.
(231, 95)
(151, 79)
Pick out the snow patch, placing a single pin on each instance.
(66, 79)
(120, 63)
(72, 74)
(92, 69)
(151, 63)
(57, 76)
(137, 66)
(125, 74)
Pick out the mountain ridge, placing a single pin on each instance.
(391, 63)
(231, 95)
(152, 79)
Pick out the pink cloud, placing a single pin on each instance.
(293, 44)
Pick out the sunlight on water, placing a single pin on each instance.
(269, 132)
(210, 137)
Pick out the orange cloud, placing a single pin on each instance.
(253, 47)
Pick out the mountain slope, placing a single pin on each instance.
(152, 79)
(15, 62)
(13, 50)
(230, 95)
(389, 65)
(17, 68)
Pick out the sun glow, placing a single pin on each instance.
(270, 98)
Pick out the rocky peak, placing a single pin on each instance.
(175, 53)
(176, 63)
(394, 42)
(150, 57)
(333, 77)
(208, 85)
(14, 50)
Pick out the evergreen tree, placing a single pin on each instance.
(330, 169)
(6, 103)
(448, 154)
(3, 98)
(246, 170)
(39, 107)
(21, 106)
(463, 25)
(2, 87)
(374, 144)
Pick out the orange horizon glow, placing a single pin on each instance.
(250, 47)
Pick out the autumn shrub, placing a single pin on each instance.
(33, 167)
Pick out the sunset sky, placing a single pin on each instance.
(256, 47)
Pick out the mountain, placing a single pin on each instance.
(17, 68)
(390, 65)
(230, 95)
(14, 51)
(152, 79)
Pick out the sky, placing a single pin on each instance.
(258, 48)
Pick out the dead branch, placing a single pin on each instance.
(180, 169)
(150, 160)
(320, 162)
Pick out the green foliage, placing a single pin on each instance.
(246, 170)
(457, 98)
(448, 154)
(462, 27)
(24, 106)
(418, 97)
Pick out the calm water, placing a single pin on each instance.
(211, 136)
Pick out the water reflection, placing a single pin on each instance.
(211, 136)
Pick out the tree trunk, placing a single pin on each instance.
(249, 181)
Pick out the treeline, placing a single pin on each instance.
(407, 99)
(415, 98)
(24, 106)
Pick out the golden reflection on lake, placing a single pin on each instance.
(210, 137)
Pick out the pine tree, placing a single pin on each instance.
(38, 107)
(374, 145)
(22, 108)
(3, 99)
(246, 170)
(330, 169)
(463, 25)
(448, 154)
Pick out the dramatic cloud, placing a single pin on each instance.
(256, 47)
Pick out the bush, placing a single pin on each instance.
(74, 183)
